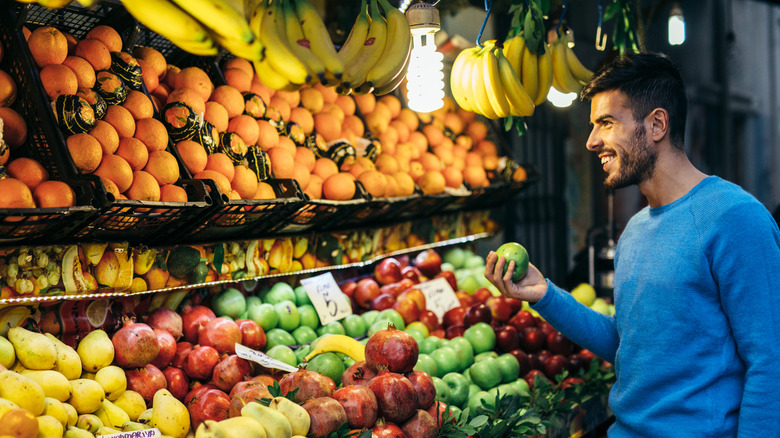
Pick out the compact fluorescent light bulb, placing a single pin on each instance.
(425, 80)
(676, 25)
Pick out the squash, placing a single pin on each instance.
(126, 67)
(180, 120)
(232, 145)
(95, 100)
(295, 133)
(342, 153)
(73, 114)
(110, 87)
(254, 105)
(259, 163)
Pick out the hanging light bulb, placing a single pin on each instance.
(676, 25)
(560, 100)
(425, 80)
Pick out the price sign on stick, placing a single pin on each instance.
(247, 353)
(329, 301)
(439, 296)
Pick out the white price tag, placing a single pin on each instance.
(146, 433)
(439, 296)
(329, 301)
(247, 353)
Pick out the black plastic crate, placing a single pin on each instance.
(498, 193)
(381, 210)
(324, 214)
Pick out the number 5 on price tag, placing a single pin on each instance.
(329, 301)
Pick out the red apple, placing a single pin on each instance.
(482, 294)
(532, 339)
(477, 313)
(383, 301)
(416, 295)
(454, 331)
(587, 356)
(545, 327)
(559, 344)
(507, 339)
(522, 359)
(555, 365)
(252, 334)
(466, 300)
(388, 271)
(412, 273)
(403, 260)
(571, 381)
(521, 320)
(450, 277)
(428, 262)
(430, 320)
(366, 290)
(408, 310)
(515, 304)
(454, 316)
(499, 308)
(531, 376)
(348, 288)
(576, 363)
(438, 333)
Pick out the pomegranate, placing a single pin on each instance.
(243, 386)
(395, 395)
(192, 320)
(423, 384)
(200, 362)
(360, 405)
(178, 382)
(146, 381)
(229, 371)
(309, 384)
(358, 373)
(135, 345)
(197, 389)
(326, 415)
(167, 345)
(241, 398)
(210, 404)
(264, 379)
(387, 430)
(440, 412)
(166, 319)
(183, 349)
(392, 349)
(252, 334)
(222, 334)
(420, 425)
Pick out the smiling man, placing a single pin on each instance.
(696, 334)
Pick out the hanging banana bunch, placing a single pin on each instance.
(569, 75)
(535, 70)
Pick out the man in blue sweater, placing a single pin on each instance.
(695, 339)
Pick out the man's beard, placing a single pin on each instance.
(636, 167)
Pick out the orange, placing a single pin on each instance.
(172, 193)
(458, 163)
(328, 93)
(409, 118)
(264, 191)
(95, 52)
(401, 129)
(432, 182)
(111, 187)
(490, 162)
(434, 135)
(246, 127)
(306, 157)
(416, 170)
(465, 141)
(311, 99)
(161, 92)
(15, 194)
(293, 98)
(106, 135)
(282, 162)
(116, 169)
(346, 103)
(86, 152)
(162, 165)
(7, 89)
(314, 188)
(377, 122)
(339, 187)
(217, 115)
(475, 176)
(171, 73)
(361, 165)
(466, 116)
(219, 179)
(238, 78)
(487, 147)
(327, 126)
(197, 79)
(230, 98)
(28, 171)
(334, 109)
(149, 75)
(58, 79)
(287, 144)
(281, 105)
(473, 159)
(144, 187)
(325, 167)
(430, 161)
(72, 41)
(452, 177)
(392, 103)
(419, 140)
(221, 163)
(454, 122)
(391, 190)
(444, 154)
(134, 152)
(54, 194)
(244, 182)
(303, 118)
(139, 105)
(374, 182)
(154, 58)
(14, 127)
(85, 74)
(477, 130)
(301, 174)
(389, 137)
(193, 155)
(26, 33)
(108, 36)
(190, 96)
(152, 133)
(268, 136)
(121, 119)
(239, 63)
(386, 163)
(48, 46)
(365, 103)
(355, 124)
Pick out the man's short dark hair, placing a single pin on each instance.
(649, 81)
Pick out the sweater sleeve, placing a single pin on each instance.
(746, 267)
(590, 329)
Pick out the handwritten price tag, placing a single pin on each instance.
(329, 301)
(146, 433)
(439, 296)
(247, 353)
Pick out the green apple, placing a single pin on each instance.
(481, 336)
(459, 388)
(289, 319)
(265, 315)
(230, 302)
(475, 402)
(304, 334)
(253, 300)
(420, 327)
(455, 256)
(442, 390)
(416, 334)
(473, 389)
(334, 328)
(262, 293)
(447, 267)
(584, 293)
(514, 252)
(369, 317)
(427, 364)
(465, 352)
(485, 355)
(301, 297)
(393, 316)
(509, 367)
(376, 326)
(456, 411)
(601, 306)
(446, 360)
(354, 326)
(427, 345)
(474, 261)
(506, 388)
(302, 351)
(469, 284)
(308, 316)
(327, 364)
(278, 336)
(347, 361)
(284, 354)
(521, 387)
(485, 374)
(279, 292)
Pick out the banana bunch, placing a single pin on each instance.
(377, 51)
(534, 70)
(298, 49)
(340, 343)
(199, 26)
(569, 75)
(483, 81)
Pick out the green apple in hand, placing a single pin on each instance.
(515, 252)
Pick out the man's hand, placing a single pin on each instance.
(531, 288)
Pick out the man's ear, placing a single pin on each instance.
(659, 123)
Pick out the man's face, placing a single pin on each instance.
(621, 143)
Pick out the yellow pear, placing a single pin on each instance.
(56, 409)
(145, 416)
(96, 351)
(169, 414)
(6, 405)
(299, 419)
(105, 430)
(24, 391)
(75, 432)
(113, 380)
(89, 422)
(112, 415)
(209, 429)
(131, 402)
(134, 425)
(49, 427)
(73, 416)
(244, 427)
(274, 422)
(68, 361)
(86, 395)
(54, 384)
(7, 353)
(33, 350)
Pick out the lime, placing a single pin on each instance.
(512, 251)
(329, 365)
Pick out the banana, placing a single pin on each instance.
(460, 76)
(579, 71)
(173, 299)
(529, 76)
(200, 48)
(397, 47)
(271, 78)
(170, 21)
(301, 45)
(356, 70)
(249, 51)
(13, 317)
(520, 103)
(357, 36)
(279, 55)
(545, 75)
(563, 76)
(513, 50)
(340, 343)
(481, 99)
(495, 90)
(381, 90)
(319, 39)
(220, 17)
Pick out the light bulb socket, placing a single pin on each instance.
(676, 10)
(423, 18)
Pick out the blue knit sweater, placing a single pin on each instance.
(696, 335)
